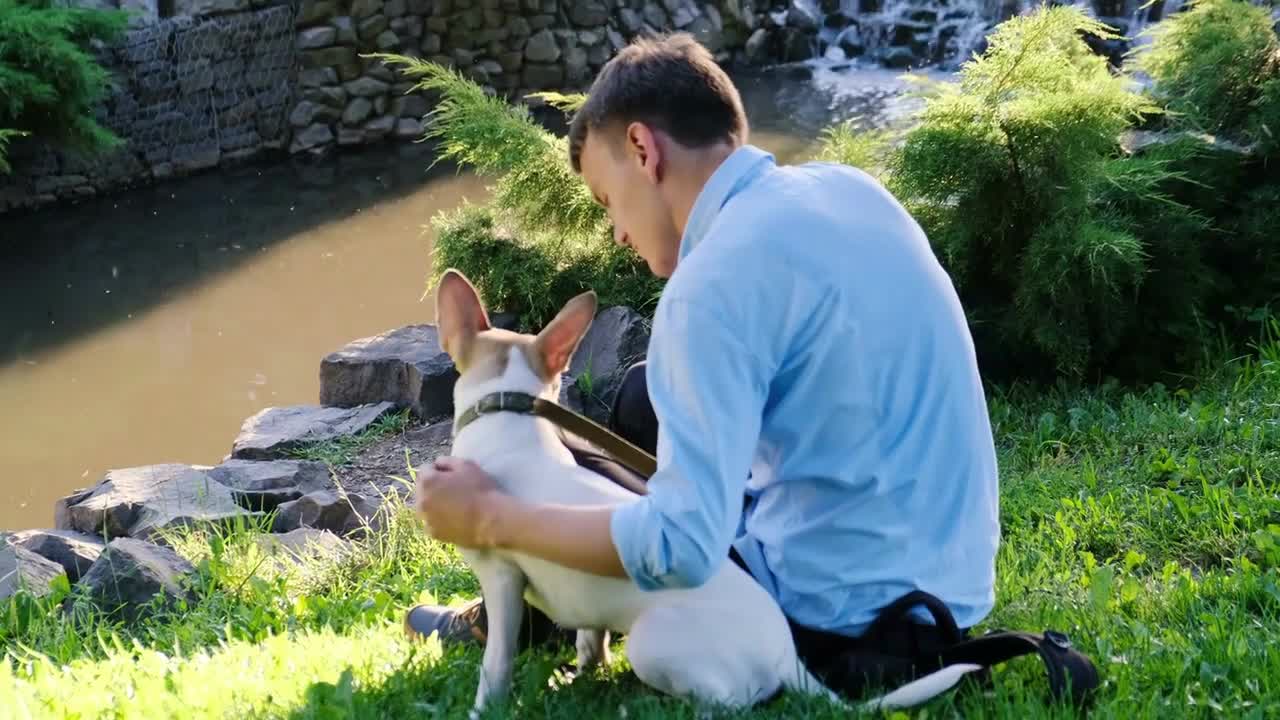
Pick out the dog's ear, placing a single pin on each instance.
(460, 315)
(555, 345)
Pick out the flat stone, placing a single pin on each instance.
(74, 551)
(317, 135)
(317, 77)
(342, 513)
(303, 543)
(365, 8)
(370, 27)
(61, 516)
(21, 569)
(380, 127)
(405, 366)
(264, 485)
(130, 574)
(317, 37)
(408, 129)
(543, 77)
(139, 502)
(542, 47)
(410, 106)
(357, 111)
(395, 8)
(617, 339)
(273, 432)
(346, 31)
(367, 87)
(387, 40)
(350, 136)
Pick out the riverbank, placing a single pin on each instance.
(1140, 522)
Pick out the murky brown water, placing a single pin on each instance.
(145, 328)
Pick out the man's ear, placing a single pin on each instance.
(555, 345)
(642, 145)
(460, 315)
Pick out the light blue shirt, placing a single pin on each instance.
(810, 352)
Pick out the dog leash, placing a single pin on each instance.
(625, 451)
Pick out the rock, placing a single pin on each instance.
(409, 129)
(317, 37)
(364, 8)
(630, 20)
(588, 13)
(518, 27)
(431, 44)
(617, 339)
(346, 29)
(511, 61)
(576, 65)
(61, 518)
(130, 575)
(317, 135)
(303, 114)
(371, 27)
(395, 8)
(21, 569)
(274, 431)
(410, 106)
(342, 513)
(303, 543)
(704, 31)
(682, 17)
(336, 56)
(317, 77)
(801, 17)
(264, 485)
(350, 136)
(74, 551)
(898, 57)
(542, 47)
(796, 45)
(196, 8)
(367, 87)
(138, 502)
(357, 111)
(313, 11)
(655, 15)
(380, 127)
(542, 77)
(334, 97)
(387, 40)
(404, 366)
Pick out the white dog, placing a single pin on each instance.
(724, 643)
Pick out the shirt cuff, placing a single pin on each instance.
(628, 526)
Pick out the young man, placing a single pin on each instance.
(820, 417)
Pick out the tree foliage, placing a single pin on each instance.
(542, 238)
(50, 83)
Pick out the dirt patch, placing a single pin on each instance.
(374, 467)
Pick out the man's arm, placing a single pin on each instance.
(708, 388)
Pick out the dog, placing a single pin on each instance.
(725, 643)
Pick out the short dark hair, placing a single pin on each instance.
(670, 82)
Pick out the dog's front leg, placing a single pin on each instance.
(502, 584)
(593, 648)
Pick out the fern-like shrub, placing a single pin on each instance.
(1017, 174)
(50, 84)
(542, 238)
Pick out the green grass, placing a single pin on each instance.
(1145, 524)
(342, 450)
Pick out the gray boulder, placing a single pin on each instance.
(138, 502)
(130, 575)
(404, 366)
(303, 543)
(21, 569)
(263, 485)
(343, 513)
(74, 551)
(617, 338)
(273, 432)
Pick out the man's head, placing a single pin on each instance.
(658, 120)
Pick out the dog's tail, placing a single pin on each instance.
(914, 693)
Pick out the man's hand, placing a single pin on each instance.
(462, 505)
(456, 499)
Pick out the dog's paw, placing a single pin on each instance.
(593, 649)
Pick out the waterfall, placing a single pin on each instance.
(945, 33)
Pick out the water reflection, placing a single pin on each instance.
(143, 328)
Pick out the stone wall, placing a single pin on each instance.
(204, 83)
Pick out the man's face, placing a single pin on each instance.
(622, 171)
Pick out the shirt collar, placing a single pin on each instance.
(740, 166)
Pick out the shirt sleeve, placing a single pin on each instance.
(708, 388)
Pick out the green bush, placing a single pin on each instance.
(49, 83)
(543, 238)
(1217, 69)
(1044, 224)
(5, 137)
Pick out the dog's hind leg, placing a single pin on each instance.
(702, 654)
(502, 584)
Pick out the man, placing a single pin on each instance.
(820, 417)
